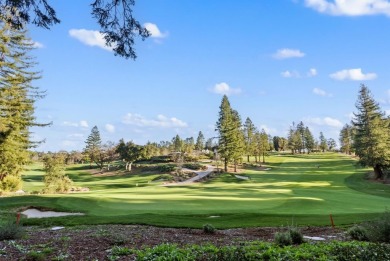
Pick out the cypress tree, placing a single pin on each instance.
(93, 147)
(371, 138)
(249, 135)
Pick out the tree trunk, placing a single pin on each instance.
(235, 166)
(263, 157)
(130, 163)
(378, 172)
(226, 163)
(248, 158)
(256, 158)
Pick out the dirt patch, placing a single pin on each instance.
(93, 242)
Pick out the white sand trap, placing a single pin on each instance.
(241, 177)
(214, 216)
(35, 213)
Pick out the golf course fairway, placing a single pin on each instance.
(299, 189)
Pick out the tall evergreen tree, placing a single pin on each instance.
(323, 142)
(93, 147)
(228, 128)
(17, 99)
(309, 140)
(200, 141)
(372, 137)
(249, 136)
(346, 139)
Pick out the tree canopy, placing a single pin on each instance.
(115, 18)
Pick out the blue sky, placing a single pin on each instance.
(278, 61)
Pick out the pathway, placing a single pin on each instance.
(200, 175)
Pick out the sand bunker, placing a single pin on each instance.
(36, 213)
(241, 177)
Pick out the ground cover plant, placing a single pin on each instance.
(305, 187)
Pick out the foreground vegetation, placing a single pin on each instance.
(304, 189)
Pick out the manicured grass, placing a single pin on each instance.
(294, 190)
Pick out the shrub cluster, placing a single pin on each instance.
(292, 236)
(261, 251)
(194, 166)
(11, 183)
(209, 229)
(374, 231)
(9, 230)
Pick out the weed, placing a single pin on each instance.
(283, 239)
(35, 256)
(10, 230)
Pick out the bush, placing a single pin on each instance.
(10, 230)
(283, 239)
(161, 159)
(209, 229)
(167, 167)
(35, 256)
(11, 183)
(358, 233)
(379, 230)
(194, 166)
(296, 235)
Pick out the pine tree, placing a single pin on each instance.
(372, 137)
(200, 141)
(323, 142)
(94, 147)
(249, 136)
(309, 140)
(346, 139)
(17, 99)
(228, 127)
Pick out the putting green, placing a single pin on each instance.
(305, 187)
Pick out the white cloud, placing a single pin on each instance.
(312, 72)
(387, 112)
(350, 7)
(290, 74)
(109, 128)
(69, 143)
(268, 130)
(321, 92)
(288, 53)
(327, 121)
(37, 45)
(76, 136)
(161, 121)
(154, 31)
(353, 74)
(70, 124)
(90, 38)
(84, 124)
(224, 89)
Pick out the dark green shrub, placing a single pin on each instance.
(167, 167)
(296, 235)
(161, 159)
(10, 230)
(194, 166)
(379, 230)
(283, 239)
(209, 229)
(358, 233)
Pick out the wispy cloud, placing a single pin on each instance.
(327, 121)
(161, 121)
(154, 31)
(320, 92)
(312, 72)
(90, 38)
(109, 128)
(350, 7)
(288, 53)
(353, 74)
(83, 124)
(224, 89)
(290, 74)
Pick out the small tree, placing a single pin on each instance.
(200, 141)
(55, 179)
(93, 147)
(129, 152)
(323, 142)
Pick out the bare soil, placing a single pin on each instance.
(95, 242)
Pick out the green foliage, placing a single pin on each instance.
(17, 100)
(358, 232)
(296, 235)
(161, 159)
(35, 256)
(194, 166)
(9, 230)
(11, 183)
(371, 135)
(379, 230)
(167, 167)
(55, 179)
(121, 251)
(283, 239)
(209, 229)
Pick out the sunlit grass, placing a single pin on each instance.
(309, 187)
